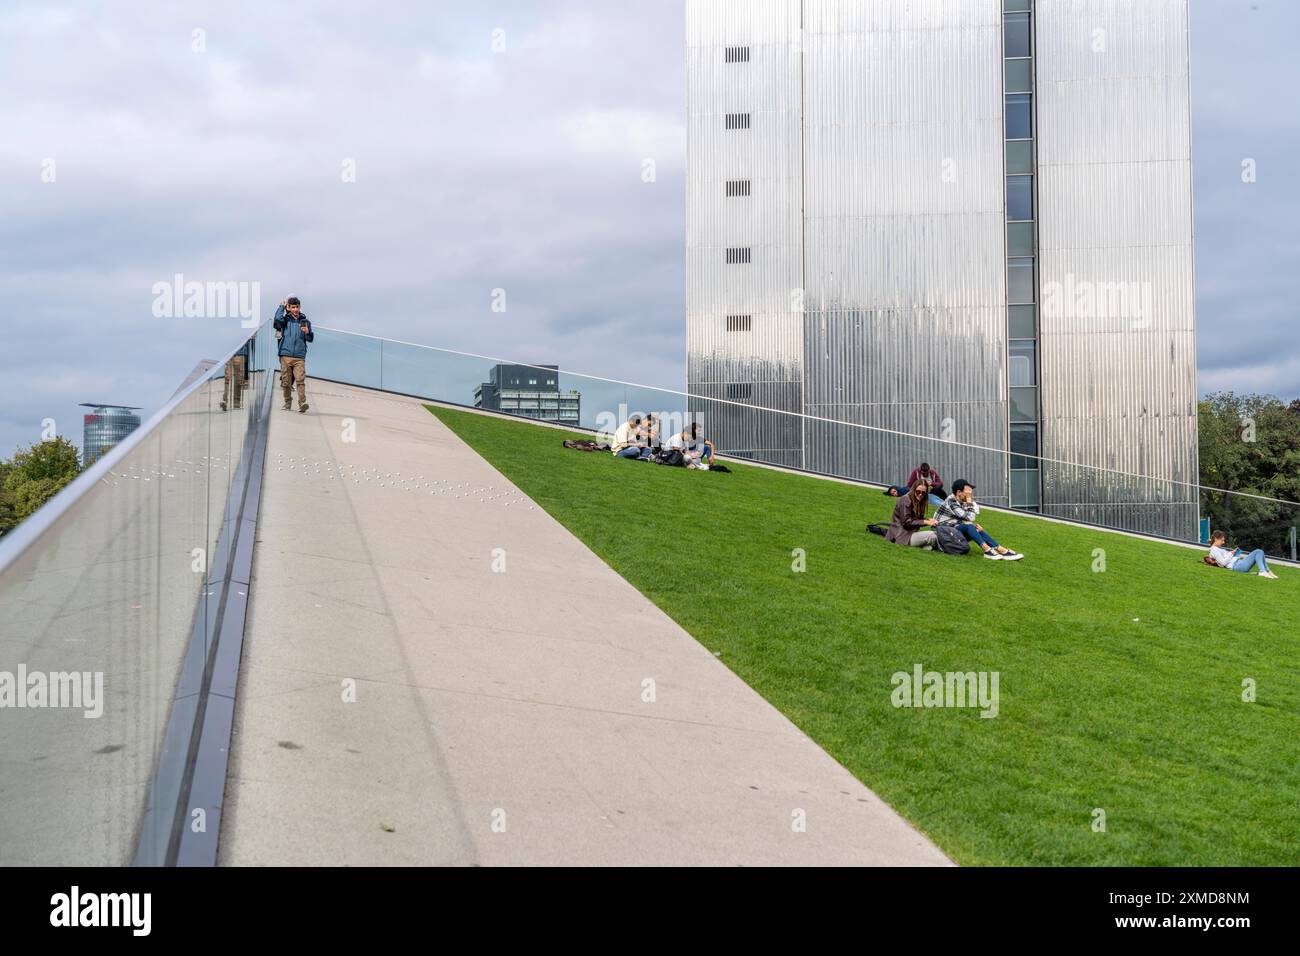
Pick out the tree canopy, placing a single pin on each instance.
(33, 476)
(1251, 443)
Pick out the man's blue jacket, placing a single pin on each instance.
(293, 342)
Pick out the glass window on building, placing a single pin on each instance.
(1020, 322)
(1020, 198)
(1020, 281)
(1020, 156)
(1024, 489)
(1024, 446)
(1018, 75)
(1020, 239)
(1022, 355)
(1020, 116)
(1024, 404)
(1015, 35)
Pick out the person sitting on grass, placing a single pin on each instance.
(676, 451)
(650, 432)
(923, 472)
(1236, 559)
(909, 526)
(698, 448)
(959, 509)
(627, 441)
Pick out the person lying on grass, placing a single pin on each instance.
(1236, 559)
(909, 526)
(959, 509)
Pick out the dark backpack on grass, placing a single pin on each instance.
(670, 456)
(880, 529)
(951, 541)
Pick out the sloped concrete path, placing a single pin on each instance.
(437, 672)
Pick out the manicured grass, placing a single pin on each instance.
(1119, 689)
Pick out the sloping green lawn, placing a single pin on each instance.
(1120, 689)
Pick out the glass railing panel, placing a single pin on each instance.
(764, 422)
(99, 598)
(343, 357)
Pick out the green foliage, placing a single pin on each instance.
(34, 476)
(7, 519)
(1250, 443)
(1122, 660)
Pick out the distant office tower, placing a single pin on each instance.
(959, 219)
(532, 391)
(105, 426)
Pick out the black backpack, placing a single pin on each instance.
(671, 456)
(951, 541)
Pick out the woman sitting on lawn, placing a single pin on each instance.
(909, 526)
(1236, 559)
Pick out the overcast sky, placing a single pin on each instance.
(475, 169)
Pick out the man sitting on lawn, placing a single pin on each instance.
(627, 441)
(959, 509)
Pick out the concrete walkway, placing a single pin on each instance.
(438, 672)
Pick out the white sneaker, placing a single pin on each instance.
(992, 555)
(1011, 556)
(702, 466)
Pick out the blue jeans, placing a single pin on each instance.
(631, 451)
(1249, 562)
(979, 537)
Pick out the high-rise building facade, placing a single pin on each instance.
(103, 427)
(963, 226)
(532, 391)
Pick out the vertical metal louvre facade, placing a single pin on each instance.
(1117, 292)
(759, 362)
(875, 291)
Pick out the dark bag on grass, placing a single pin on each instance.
(951, 541)
(671, 457)
(720, 468)
(880, 529)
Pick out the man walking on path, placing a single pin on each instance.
(293, 329)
